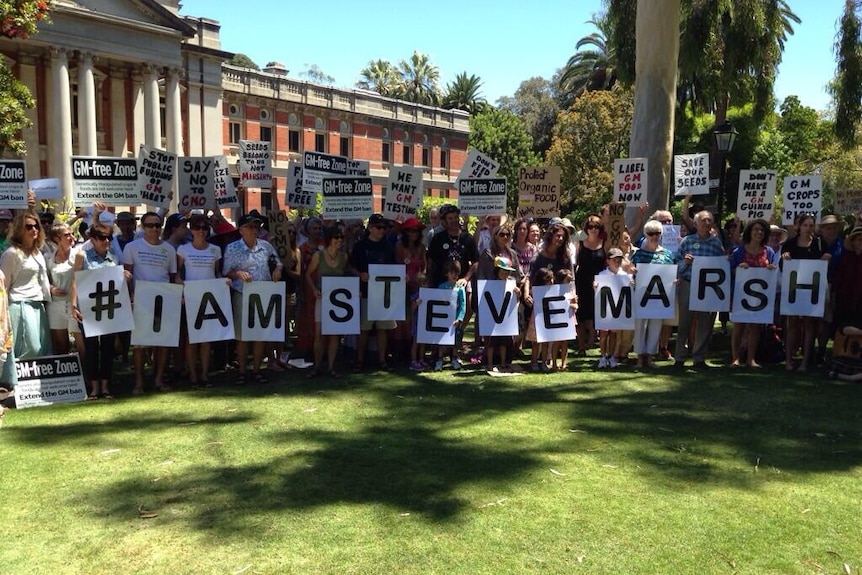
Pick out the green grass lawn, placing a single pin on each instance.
(584, 472)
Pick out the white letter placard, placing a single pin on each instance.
(103, 298)
(553, 313)
(803, 287)
(157, 314)
(437, 311)
(710, 284)
(498, 308)
(387, 292)
(754, 295)
(339, 311)
(208, 310)
(655, 291)
(613, 301)
(263, 311)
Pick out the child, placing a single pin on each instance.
(608, 338)
(503, 344)
(542, 277)
(417, 350)
(561, 348)
(452, 269)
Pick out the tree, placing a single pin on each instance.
(464, 94)
(587, 138)
(316, 75)
(503, 136)
(20, 19)
(243, 61)
(419, 79)
(536, 104)
(847, 86)
(382, 77)
(593, 68)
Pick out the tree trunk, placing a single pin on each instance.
(656, 65)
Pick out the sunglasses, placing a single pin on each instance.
(291, 232)
(653, 234)
(102, 237)
(152, 226)
(201, 228)
(504, 235)
(594, 227)
(32, 227)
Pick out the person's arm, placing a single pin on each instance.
(73, 287)
(294, 270)
(309, 274)
(279, 266)
(686, 218)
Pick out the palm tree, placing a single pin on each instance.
(382, 77)
(847, 87)
(419, 79)
(593, 68)
(463, 94)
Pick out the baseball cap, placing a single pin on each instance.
(503, 263)
(107, 218)
(247, 219)
(126, 217)
(615, 253)
(376, 220)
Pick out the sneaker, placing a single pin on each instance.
(603, 363)
(416, 366)
(545, 368)
(534, 367)
(438, 365)
(456, 364)
(612, 362)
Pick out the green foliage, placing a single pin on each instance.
(847, 87)
(243, 61)
(380, 76)
(415, 80)
(503, 136)
(464, 93)
(316, 75)
(20, 18)
(429, 202)
(587, 139)
(535, 102)
(593, 65)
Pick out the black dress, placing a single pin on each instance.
(590, 262)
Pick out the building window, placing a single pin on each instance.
(265, 134)
(386, 156)
(444, 159)
(235, 132)
(426, 156)
(320, 143)
(406, 158)
(293, 140)
(344, 146)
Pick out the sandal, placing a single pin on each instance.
(162, 387)
(259, 377)
(106, 396)
(93, 397)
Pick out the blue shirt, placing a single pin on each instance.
(254, 260)
(461, 306)
(697, 246)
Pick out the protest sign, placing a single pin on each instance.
(13, 184)
(691, 174)
(155, 175)
(539, 192)
(224, 191)
(113, 181)
(157, 311)
(48, 380)
(630, 181)
(482, 197)
(613, 302)
(802, 195)
(347, 198)
(279, 237)
(553, 313)
(209, 316)
(655, 291)
(339, 305)
(262, 315)
(670, 238)
(437, 311)
(255, 164)
(710, 284)
(478, 165)
(47, 189)
(616, 224)
(358, 168)
(404, 193)
(104, 302)
(387, 292)
(754, 295)
(316, 166)
(297, 197)
(848, 201)
(498, 308)
(195, 183)
(756, 195)
(803, 287)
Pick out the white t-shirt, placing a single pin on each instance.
(151, 263)
(199, 264)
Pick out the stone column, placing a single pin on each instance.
(173, 124)
(87, 142)
(60, 129)
(27, 63)
(152, 122)
(121, 140)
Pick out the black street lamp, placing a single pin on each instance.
(725, 135)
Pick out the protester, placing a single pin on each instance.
(648, 332)
(8, 376)
(60, 277)
(830, 229)
(452, 270)
(847, 287)
(526, 252)
(248, 260)
(411, 252)
(312, 230)
(501, 345)
(591, 259)
(292, 276)
(331, 262)
(560, 349)
(608, 337)
(6, 217)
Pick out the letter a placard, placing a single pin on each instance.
(103, 298)
(208, 310)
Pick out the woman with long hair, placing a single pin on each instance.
(410, 250)
(60, 275)
(591, 259)
(312, 229)
(526, 252)
(331, 261)
(292, 267)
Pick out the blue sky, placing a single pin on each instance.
(503, 42)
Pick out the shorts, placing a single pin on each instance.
(366, 325)
(60, 316)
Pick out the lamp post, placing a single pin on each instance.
(724, 135)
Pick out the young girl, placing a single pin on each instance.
(502, 344)
(608, 338)
(542, 277)
(452, 269)
(560, 349)
(417, 350)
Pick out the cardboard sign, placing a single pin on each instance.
(48, 380)
(347, 198)
(103, 298)
(691, 174)
(316, 166)
(802, 195)
(47, 189)
(756, 196)
(630, 181)
(553, 313)
(848, 201)
(803, 287)
(478, 165)
(616, 223)
(436, 321)
(297, 197)
(224, 191)
(404, 193)
(498, 308)
(339, 308)
(358, 168)
(387, 292)
(155, 175)
(255, 164)
(655, 291)
(482, 197)
(710, 284)
(278, 235)
(208, 310)
(195, 183)
(113, 181)
(539, 192)
(263, 306)
(13, 184)
(754, 295)
(157, 311)
(613, 301)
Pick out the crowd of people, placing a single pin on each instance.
(39, 312)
